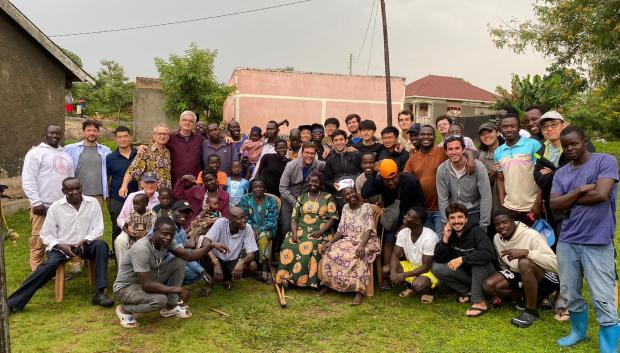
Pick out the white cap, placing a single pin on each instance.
(551, 115)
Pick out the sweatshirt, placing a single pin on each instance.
(473, 245)
(526, 238)
(473, 191)
(44, 170)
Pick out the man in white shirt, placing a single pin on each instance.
(45, 167)
(73, 227)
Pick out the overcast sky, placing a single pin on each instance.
(442, 37)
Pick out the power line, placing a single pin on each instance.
(372, 10)
(372, 41)
(181, 21)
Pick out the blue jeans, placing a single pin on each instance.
(193, 272)
(433, 221)
(598, 265)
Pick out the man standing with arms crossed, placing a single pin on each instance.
(45, 167)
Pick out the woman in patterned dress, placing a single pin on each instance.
(345, 264)
(313, 217)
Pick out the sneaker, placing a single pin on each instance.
(526, 319)
(102, 300)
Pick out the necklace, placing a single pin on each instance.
(313, 205)
(158, 259)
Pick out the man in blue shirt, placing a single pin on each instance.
(585, 191)
(117, 163)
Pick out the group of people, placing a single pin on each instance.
(209, 203)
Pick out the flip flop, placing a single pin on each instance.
(463, 299)
(427, 299)
(480, 311)
(127, 320)
(562, 317)
(179, 311)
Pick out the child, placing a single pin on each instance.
(252, 148)
(165, 203)
(214, 162)
(237, 186)
(140, 220)
(368, 167)
(204, 220)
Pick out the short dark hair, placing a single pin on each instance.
(456, 208)
(90, 122)
(389, 130)
(209, 171)
(453, 138)
(332, 121)
(502, 118)
(122, 128)
(540, 108)
(369, 153)
(510, 110)
(502, 211)
(278, 140)
(256, 180)
(427, 126)
(308, 145)
(68, 179)
(443, 117)
(164, 189)
(164, 220)
(272, 122)
(213, 155)
(353, 116)
(368, 125)
(405, 112)
(421, 212)
(339, 133)
(573, 128)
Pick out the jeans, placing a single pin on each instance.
(136, 300)
(597, 263)
(434, 223)
(97, 250)
(464, 282)
(193, 272)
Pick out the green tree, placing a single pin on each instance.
(73, 56)
(581, 34)
(113, 89)
(188, 82)
(597, 112)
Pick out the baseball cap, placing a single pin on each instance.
(181, 205)
(551, 115)
(305, 127)
(149, 177)
(487, 126)
(415, 128)
(388, 169)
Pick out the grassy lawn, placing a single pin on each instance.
(384, 323)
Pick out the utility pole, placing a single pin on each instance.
(350, 64)
(5, 345)
(388, 81)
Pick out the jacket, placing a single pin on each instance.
(409, 192)
(400, 158)
(526, 238)
(473, 245)
(473, 191)
(292, 183)
(338, 166)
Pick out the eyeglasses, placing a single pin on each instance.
(161, 134)
(551, 125)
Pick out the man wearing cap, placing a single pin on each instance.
(414, 137)
(423, 164)
(399, 192)
(405, 122)
(184, 146)
(550, 157)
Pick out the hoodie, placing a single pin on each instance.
(473, 191)
(473, 245)
(44, 170)
(526, 238)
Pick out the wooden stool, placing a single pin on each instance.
(59, 286)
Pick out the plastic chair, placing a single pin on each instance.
(59, 285)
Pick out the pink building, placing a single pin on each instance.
(307, 97)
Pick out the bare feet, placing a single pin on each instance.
(358, 299)
(322, 292)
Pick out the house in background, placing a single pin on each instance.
(307, 97)
(433, 96)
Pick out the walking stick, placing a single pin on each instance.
(279, 289)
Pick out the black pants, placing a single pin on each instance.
(114, 207)
(97, 250)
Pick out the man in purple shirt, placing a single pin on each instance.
(216, 145)
(184, 146)
(585, 191)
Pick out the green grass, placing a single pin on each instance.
(383, 323)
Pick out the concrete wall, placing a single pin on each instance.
(148, 111)
(31, 95)
(304, 98)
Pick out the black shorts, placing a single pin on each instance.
(549, 283)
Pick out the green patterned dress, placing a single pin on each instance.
(299, 261)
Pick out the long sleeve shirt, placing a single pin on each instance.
(473, 245)
(64, 224)
(44, 170)
(529, 239)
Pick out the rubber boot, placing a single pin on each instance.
(578, 328)
(608, 338)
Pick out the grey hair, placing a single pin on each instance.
(188, 112)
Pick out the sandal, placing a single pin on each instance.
(406, 293)
(561, 317)
(127, 320)
(463, 299)
(427, 299)
(480, 311)
(182, 312)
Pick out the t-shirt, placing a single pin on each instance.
(553, 154)
(517, 164)
(424, 166)
(425, 245)
(588, 224)
(243, 240)
(89, 171)
(140, 258)
(236, 189)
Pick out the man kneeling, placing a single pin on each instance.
(141, 275)
(528, 264)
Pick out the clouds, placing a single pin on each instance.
(425, 37)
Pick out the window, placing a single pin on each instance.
(453, 110)
(423, 110)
